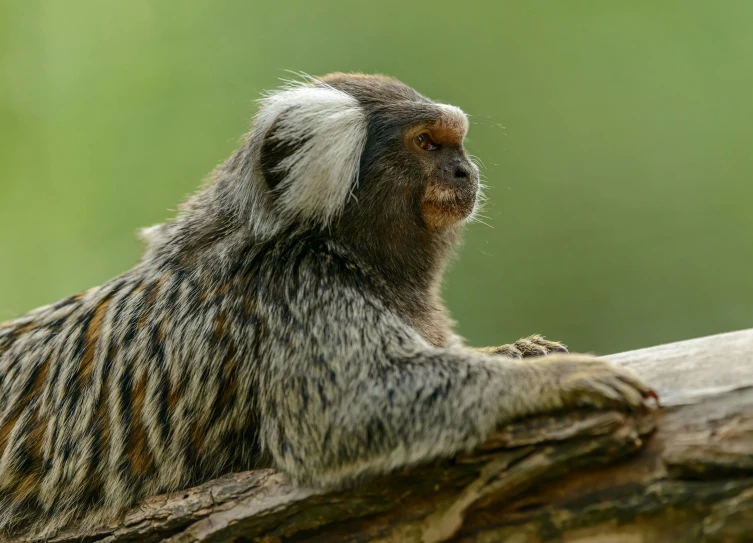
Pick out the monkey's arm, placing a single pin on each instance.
(375, 398)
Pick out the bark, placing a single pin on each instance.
(681, 473)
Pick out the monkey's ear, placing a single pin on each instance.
(313, 137)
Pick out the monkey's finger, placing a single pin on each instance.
(601, 394)
(551, 346)
(629, 377)
(503, 350)
(508, 350)
(632, 396)
(530, 348)
(555, 347)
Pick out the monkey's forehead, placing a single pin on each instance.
(453, 120)
(380, 94)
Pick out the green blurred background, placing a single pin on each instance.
(616, 138)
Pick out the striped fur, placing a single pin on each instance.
(114, 394)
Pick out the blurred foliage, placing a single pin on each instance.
(615, 136)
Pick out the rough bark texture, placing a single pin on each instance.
(681, 473)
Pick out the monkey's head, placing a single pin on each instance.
(354, 153)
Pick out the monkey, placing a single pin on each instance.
(289, 316)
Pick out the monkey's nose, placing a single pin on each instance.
(462, 172)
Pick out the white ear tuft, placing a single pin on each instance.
(150, 234)
(323, 131)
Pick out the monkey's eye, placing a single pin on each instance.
(424, 141)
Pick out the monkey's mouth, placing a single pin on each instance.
(444, 206)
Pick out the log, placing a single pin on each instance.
(680, 473)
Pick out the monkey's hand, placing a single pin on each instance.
(526, 347)
(570, 380)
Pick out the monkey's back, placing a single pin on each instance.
(124, 391)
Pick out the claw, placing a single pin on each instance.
(654, 396)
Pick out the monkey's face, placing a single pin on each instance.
(366, 154)
(448, 177)
(413, 167)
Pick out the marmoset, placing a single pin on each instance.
(289, 316)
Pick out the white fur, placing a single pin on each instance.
(456, 116)
(150, 234)
(333, 127)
